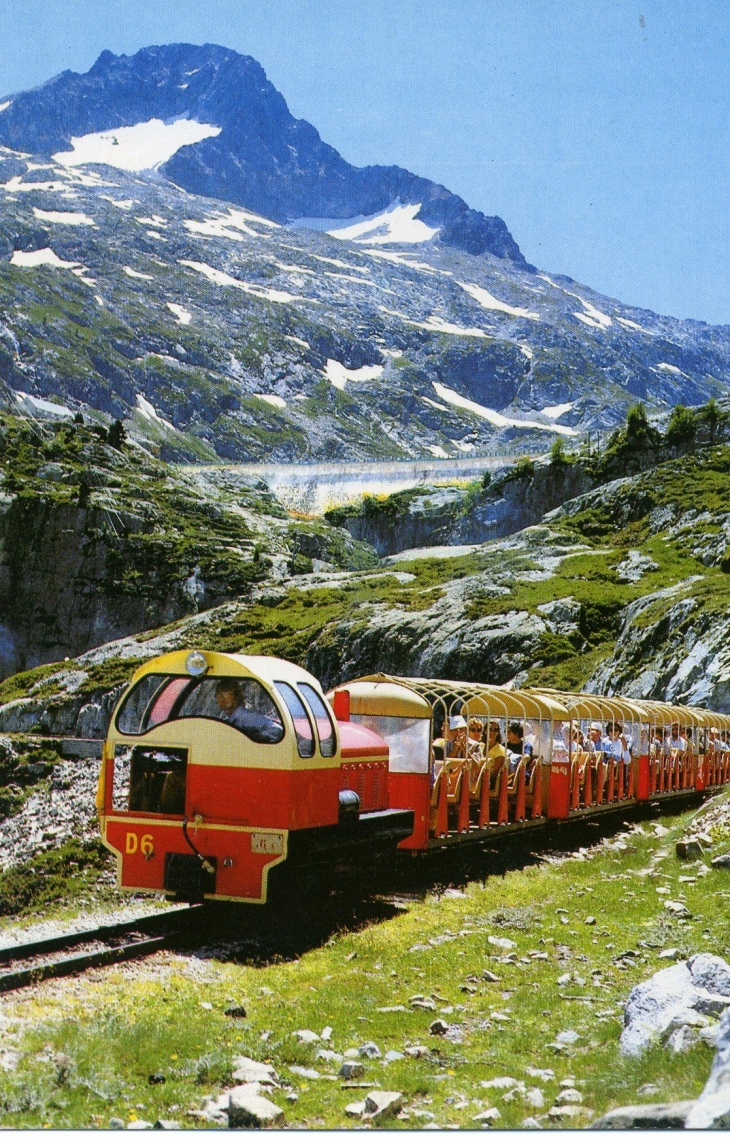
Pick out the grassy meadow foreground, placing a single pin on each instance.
(570, 936)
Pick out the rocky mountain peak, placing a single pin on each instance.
(253, 153)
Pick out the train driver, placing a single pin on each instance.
(257, 727)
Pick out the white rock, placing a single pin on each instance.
(535, 1098)
(712, 1108)
(355, 1108)
(369, 1050)
(383, 1103)
(567, 1037)
(531, 1123)
(246, 1110)
(504, 1083)
(393, 1056)
(502, 943)
(569, 1096)
(307, 1036)
(248, 1070)
(488, 1116)
(545, 1075)
(681, 1040)
(305, 1072)
(326, 1034)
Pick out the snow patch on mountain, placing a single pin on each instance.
(491, 303)
(41, 257)
(632, 326)
(137, 275)
(406, 259)
(17, 185)
(183, 316)
(4, 106)
(397, 224)
(434, 323)
(272, 400)
(494, 417)
(338, 374)
(222, 278)
(144, 146)
(63, 217)
(31, 403)
(148, 412)
(590, 315)
(558, 410)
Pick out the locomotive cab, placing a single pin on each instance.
(218, 768)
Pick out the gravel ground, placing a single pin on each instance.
(61, 807)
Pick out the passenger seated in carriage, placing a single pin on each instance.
(496, 753)
(476, 740)
(456, 742)
(620, 749)
(517, 747)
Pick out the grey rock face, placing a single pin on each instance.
(248, 1109)
(712, 1109)
(672, 1001)
(659, 1116)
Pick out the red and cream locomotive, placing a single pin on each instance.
(221, 773)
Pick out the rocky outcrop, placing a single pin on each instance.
(677, 999)
(457, 515)
(104, 542)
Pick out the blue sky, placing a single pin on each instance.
(598, 129)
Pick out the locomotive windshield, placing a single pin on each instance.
(241, 703)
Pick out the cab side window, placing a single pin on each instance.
(302, 725)
(322, 720)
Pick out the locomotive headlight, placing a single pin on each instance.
(196, 664)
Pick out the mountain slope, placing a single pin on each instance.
(255, 153)
(216, 333)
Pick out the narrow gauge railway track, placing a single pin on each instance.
(24, 964)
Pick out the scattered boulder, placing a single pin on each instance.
(682, 1040)
(351, 1070)
(438, 1026)
(659, 1116)
(248, 1070)
(535, 1098)
(380, 1104)
(416, 1051)
(569, 1096)
(355, 1109)
(249, 1110)
(712, 1108)
(504, 1083)
(370, 1050)
(567, 1037)
(710, 972)
(488, 1116)
(545, 1075)
(677, 908)
(163, 1123)
(722, 861)
(235, 1011)
(688, 849)
(661, 1003)
(139, 1124)
(502, 943)
(307, 1036)
(561, 1112)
